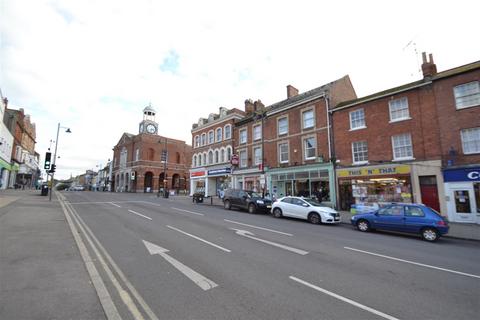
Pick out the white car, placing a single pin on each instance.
(306, 209)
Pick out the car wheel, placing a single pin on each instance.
(277, 213)
(227, 205)
(429, 234)
(363, 225)
(314, 218)
(252, 208)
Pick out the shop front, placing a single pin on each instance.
(462, 191)
(250, 179)
(312, 181)
(218, 180)
(364, 189)
(197, 181)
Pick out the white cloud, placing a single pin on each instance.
(94, 65)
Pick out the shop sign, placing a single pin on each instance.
(379, 171)
(470, 174)
(197, 174)
(235, 160)
(218, 171)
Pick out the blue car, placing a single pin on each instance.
(409, 218)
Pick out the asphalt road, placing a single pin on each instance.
(172, 259)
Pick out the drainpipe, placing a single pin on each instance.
(334, 176)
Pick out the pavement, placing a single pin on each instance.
(466, 231)
(42, 275)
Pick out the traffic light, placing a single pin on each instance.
(48, 157)
(52, 168)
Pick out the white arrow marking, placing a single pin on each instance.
(139, 214)
(199, 239)
(196, 277)
(261, 228)
(250, 235)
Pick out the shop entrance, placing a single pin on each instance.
(463, 203)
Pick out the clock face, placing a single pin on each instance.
(151, 128)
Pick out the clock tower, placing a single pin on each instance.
(148, 124)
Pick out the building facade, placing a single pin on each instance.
(6, 146)
(212, 141)
(402, 144)
(148, 162)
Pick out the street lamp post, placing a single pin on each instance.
(55, 158)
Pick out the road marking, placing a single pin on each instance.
(197, 278)
(339, 297)
(200, 239)
(139, 214)
(415, 263)
(250, 235)
(116, 205)
(199, 214)
(249, 225)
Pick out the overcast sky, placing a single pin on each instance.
(94, 65)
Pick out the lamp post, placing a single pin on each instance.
(55, 158)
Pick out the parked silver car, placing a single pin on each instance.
(304, 208)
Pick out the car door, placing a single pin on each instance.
(414, 219)
(390, 218)
(299, 208)
(286, 206)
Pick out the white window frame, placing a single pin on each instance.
(216, 156)
(222, 155)
(305, 149)
(280, 144)
(257, 135)
(217, 132)
(211, 137)
(362, 121)
(473, 97)
(194, 161)
(470, 137)
(229, 153)
(242, 133)
(243, 162)
(279, 133)
(205, 158)
(197, 141)
(410, 146)
(354, 161)
(257, 158)
(399, 106)
(225, 137)
(303, 112)
(203, 139)
(210, 157)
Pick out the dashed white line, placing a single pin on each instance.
(200, 239)
(116, 205)
(139, 214)
(198, 214)
(415, 263)
(249, 225)
(339, 297)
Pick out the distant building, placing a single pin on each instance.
(6, 146)
(148, 162)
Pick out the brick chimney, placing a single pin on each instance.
(429, 68)
(258, 105)
(249, 106)
(291, 91)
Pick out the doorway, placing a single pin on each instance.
(429, 192)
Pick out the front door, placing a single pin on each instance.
(429, 192)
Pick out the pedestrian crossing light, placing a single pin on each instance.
(48, 157)
(132, 177)
(52, 168)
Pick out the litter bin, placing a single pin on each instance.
(44, 191)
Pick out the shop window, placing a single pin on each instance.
(399, 109)
(309, 148)
(282, 126)
(283, 152)
(243, 136)
(476, 191)
(357, 119)
(462, 201)
(471, 140)
(360, 152)
(467, 95)
(308, 120)
(402, 147)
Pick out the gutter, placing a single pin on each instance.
(296, 104)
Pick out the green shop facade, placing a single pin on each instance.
(312, 181)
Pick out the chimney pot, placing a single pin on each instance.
(429, 68)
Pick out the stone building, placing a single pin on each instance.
(148, 162)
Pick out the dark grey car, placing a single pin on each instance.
(244, 199)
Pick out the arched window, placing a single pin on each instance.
(210, 137)
(216, 156)
(205, 159)
(210, 157)
(222, 155)
(194, 161)
(197, 141)
(218, 134)
(204, 139)
(199, 163)
(229, 154)
(228, 132)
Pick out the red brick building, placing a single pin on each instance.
(139, 160)
(284, 149)
(394, 145)
(212, 141)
